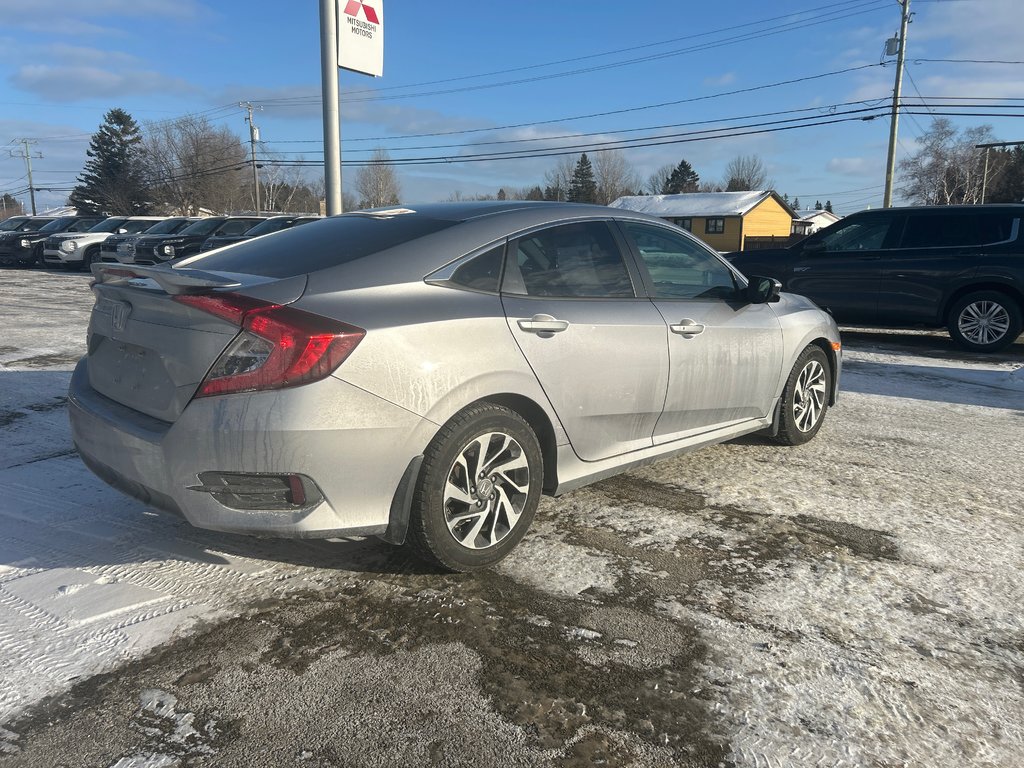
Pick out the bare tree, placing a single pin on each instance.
(377, 183)
(194, 165)
(746, 172)
(948, 168)
(614, 176)
(656, 181)
(559, 178)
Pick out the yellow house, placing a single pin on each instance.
(723, 220)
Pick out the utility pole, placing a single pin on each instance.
(890, 166)
(254, 136)
(332, 119)
(27, 156)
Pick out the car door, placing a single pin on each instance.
(938, 254)
(840, 268)
(725, 354)
(599, 352)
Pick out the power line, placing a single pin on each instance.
(731, 28)
(586, 70)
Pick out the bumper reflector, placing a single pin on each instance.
(259, 492)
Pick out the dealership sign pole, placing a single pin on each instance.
(351, 37)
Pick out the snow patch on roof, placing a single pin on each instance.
(693, 203)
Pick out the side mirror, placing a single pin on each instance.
(814, 246)
(122, 231)
(763, 290)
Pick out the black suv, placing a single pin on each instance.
(273, 224)
(958, 267)
(154, 249)
(24, 247)
(116, 244)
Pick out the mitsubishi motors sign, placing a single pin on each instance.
(361, 36)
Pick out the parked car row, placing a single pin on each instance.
(75, 242)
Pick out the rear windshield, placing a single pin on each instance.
(322, 244)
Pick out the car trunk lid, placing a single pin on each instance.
(148, 351)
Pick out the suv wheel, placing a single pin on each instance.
(985, 321)
(89, 258)
(478, 489)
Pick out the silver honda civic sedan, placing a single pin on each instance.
(425, 375)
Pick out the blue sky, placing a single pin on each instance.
(66, 63)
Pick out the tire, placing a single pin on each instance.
(985, 321)
(459, 521)
(88, 258)
(805, 398)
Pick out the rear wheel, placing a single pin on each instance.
(985, 321)
(478, 489)
(805, 398)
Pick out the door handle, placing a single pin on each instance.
(687, 328)
(543, 324)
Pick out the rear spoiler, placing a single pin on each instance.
(173, 281)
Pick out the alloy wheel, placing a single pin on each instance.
(486, 490)
(983, 322)
(809, 396)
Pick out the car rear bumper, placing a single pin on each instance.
(353, 445)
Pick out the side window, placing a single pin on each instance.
(941, 231)
(481, 273)
(995, 227)
(236, 227)
(572, 260)
(679, 268)
(866, 234)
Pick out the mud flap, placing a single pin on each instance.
(401, 504)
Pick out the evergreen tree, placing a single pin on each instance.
(502, 194)
(828, 206)
(796, 203)
(583, 187)
(114, 178)
(683, 179)
(817, 205)
(536, 193)
(9, 206)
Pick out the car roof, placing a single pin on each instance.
(1012, 207)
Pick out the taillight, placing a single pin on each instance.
(278, 346)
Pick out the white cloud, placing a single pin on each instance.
(17, 12)
(721, 80)
(73, 83)
(852, 166)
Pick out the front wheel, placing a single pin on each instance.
(985, 321)
(478, 489)
(805, 398)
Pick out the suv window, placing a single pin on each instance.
(940, 230)
(233, 227)
(680, 268)
(570, 260)
(995, 227)
(868, 233)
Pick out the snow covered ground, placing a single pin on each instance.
(854, 601)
